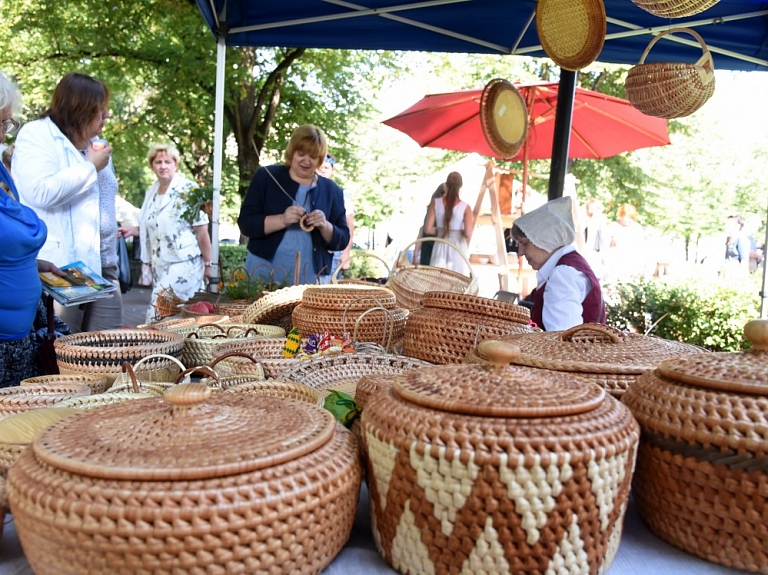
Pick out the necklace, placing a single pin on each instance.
(302, 222)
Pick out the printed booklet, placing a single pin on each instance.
(80, 285)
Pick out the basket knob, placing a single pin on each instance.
(756, 331)
(187, 394)
(499, 353)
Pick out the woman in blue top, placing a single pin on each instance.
(289, 210)
(22, 234)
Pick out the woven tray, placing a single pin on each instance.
(410, 282)
(503, 117)
(97, 383)
(611, 358)
(450, 325)
(274, 388)
(539, 459)
(171, 324)
(274, 308)
(24, 398)
(671, 89)
(572, 32)
(674, 8)
(104, 352)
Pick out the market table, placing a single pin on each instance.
(640, 552)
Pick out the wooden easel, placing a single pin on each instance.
(489, 184)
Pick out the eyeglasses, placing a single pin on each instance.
(9, 126)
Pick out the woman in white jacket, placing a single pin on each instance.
(64, 172)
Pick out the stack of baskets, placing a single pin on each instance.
(449, 325)
(275, 308)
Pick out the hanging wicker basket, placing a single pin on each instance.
(674, 8)
(504, 118)
(671, 90)
(572, 32)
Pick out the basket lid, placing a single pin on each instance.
(572, 32)
(498, 389)
(596, 348)
(348, 296)
(503, 117)
(740, 372)
(478, 305)
(185, 435)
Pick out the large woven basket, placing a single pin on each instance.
(275, 308)
(674, 8)
(201, 340)
(702, 467)
(410, 282)
(104, 352)
(97, 383)
(671, 90)
(268, 351)
(449, 325)
(611, 358)
(27, 397)
(572, 32)
(188, 483)
(497, 469)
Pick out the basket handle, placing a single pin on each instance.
(471, 288)
(204, 369)
(704, 65)
(234, 354)
(244, 332)
(196, 335)
(389, 327)
(356, 300)
(129, 371)
(335, 274)
(609, 332)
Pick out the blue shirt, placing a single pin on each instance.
(22, 234)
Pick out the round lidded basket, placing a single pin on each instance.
(504, 118)
(104, 352)
(674, 8)
(449, 325)
(702, 466)
(609, 357)
(572, 32)
(188, 482)
(534, 461)
(275, 308)
(671, 89)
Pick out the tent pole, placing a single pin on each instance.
(218, 153)
(562, 136)
(763, 294)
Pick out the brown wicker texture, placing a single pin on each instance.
(188, 483)
(611, 358)
(24, 398)
(100, 399)
(496, 470)
(503, 117)
(97, 383)
(275, 308)
(132, 377)
(572, 32)
(274, 388)
(674, 8)
(167, 304)
(171, 323)
(371, 384)
(702, 469)
(232, 308)
(671, 90)
(449, 325)
(104, 352)
(348, 297)
(336, 279)
(200, 341)
(268, 351)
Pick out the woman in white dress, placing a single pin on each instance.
(452, 220)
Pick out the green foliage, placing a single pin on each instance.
(361, 267)
(193, 201)
(710, 314)
(231, 256)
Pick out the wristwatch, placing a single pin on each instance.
(208, 264)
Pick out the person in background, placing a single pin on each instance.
(451, 219)
(595, 235)
(567, 292)
(178, 252)
(22, 234)
(340, 257)
(422, 251)
(627, 251)
(737, 248)
(289, 210)
(63, 170)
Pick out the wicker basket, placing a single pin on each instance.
(24, 398)
(702, 467)
(188, 483)
(132, 377)
(201, 340)
(267, 350)
(674, 8)
(449, 325)
(410, 282)
(611, 358)
(171, 324)
(104, 352)
(482, 468)
(167, 304)
(503, 118)
(275, 308)
(671, 90)
(335, 279)
(97, 383)
(572, 32)
(274, 388)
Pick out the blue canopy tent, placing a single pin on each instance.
(736, 32)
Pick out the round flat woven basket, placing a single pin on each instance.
(104, 352)
(275, 308)
(24, 398)
(97, 383)
(274, 388)
(671, 89)
(674, 8)
(572, 32)
(504, 118)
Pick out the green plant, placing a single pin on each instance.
(193, 201)
(364, 267)
(231, 256)
(710, 314)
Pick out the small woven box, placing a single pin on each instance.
(497, 469)
(702, 466)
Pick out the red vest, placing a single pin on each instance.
(592, 308)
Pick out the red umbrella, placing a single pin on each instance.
(602, 125)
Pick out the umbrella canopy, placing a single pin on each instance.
(602, 126)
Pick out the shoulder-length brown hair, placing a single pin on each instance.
(76, 101)
(310, 140)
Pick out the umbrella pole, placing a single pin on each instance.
(562, 137)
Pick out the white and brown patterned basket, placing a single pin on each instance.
(201, 340)
(609, 357)
(97, 383)
(481, 468)
(104, 352)
(702, 467)
(449, 325)
(275, 308)
(266, 351)
(191, 481)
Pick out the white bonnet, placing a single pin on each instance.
(550, 226)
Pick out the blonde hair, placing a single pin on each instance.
(308, 139)
(627, 210)
(169, 149)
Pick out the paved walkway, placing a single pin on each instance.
(135, 304)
